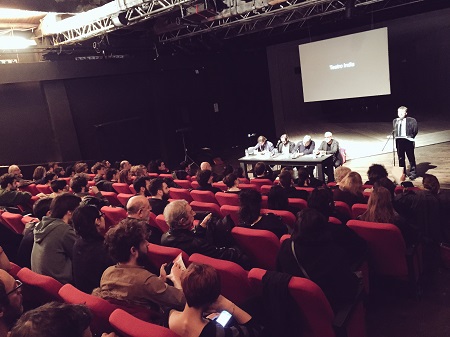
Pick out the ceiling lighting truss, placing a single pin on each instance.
(289, 14)
(67, 31)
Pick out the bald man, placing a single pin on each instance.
(10, 302)
(305, 146)
(331, 146)
(138, 207)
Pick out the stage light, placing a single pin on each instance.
(15, 42)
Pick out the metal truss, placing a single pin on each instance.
(285, 15)
(114, 21)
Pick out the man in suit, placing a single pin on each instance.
(285, 146)
(405, 130)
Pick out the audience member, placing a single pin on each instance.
(111, 177)
(99, 169)
(232, 182)
(138, 207)
(52, 166)
(54, 238)
(250, 214)
(128, 281)
(340, 173)
(305, 178)
(141, 185)
(350, 190)
(10, 302)
(56, 319)
(313, 253)
(184, 171)
(159, 192)
(9, 195)
(38, 175)
(81, 168)
(205, 179)
(58, 187)
(125, 165)
(262, 171)
(41, 208)
(375, 173)
(278, 200)
(201, 287)
(125, 177)
(60, 172)
(381, 209)
(321, 199)
(90, 257)
(80, 187)
(182, 234)
(138, 171)
(287, 183)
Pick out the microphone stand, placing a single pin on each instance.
(393, 145)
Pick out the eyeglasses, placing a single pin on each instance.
(19, 284)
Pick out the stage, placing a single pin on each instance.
(364, 144)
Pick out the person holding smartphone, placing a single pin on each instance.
(201, 288)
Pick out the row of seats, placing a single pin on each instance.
(238, 285)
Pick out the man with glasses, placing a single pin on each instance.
(10, 302)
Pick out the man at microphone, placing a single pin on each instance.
(405, 130)
(285, 146)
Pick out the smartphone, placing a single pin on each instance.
(224, 318)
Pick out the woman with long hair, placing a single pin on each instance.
(381, 209)
(250, 217)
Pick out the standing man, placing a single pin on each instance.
(405, 130)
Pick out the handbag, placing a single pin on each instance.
(305, 274)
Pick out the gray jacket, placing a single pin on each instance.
(52, 249)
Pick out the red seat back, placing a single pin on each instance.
(265, 189)
(287, 217)
(387, 248)
(298, 203)
(203, 196)
(284, 238)
(39, 289)
(195, 184)
(130, 326)
(213, 208)
(123, 198)
(161, 222)
(227, 198)
(112, 198)
(101, 309)
(234, 279)
(44, 189)
(183, 183)
(113, 215)
(316, 315)
(260, 245)
(180, 193)
(14, 222)
(30, 188)
(260, 182)
(159, 255)
(131, 187)
(358, 209)
(343, 208)
(250, 186)
(121, 188)
(232, 211)
(220, 185)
